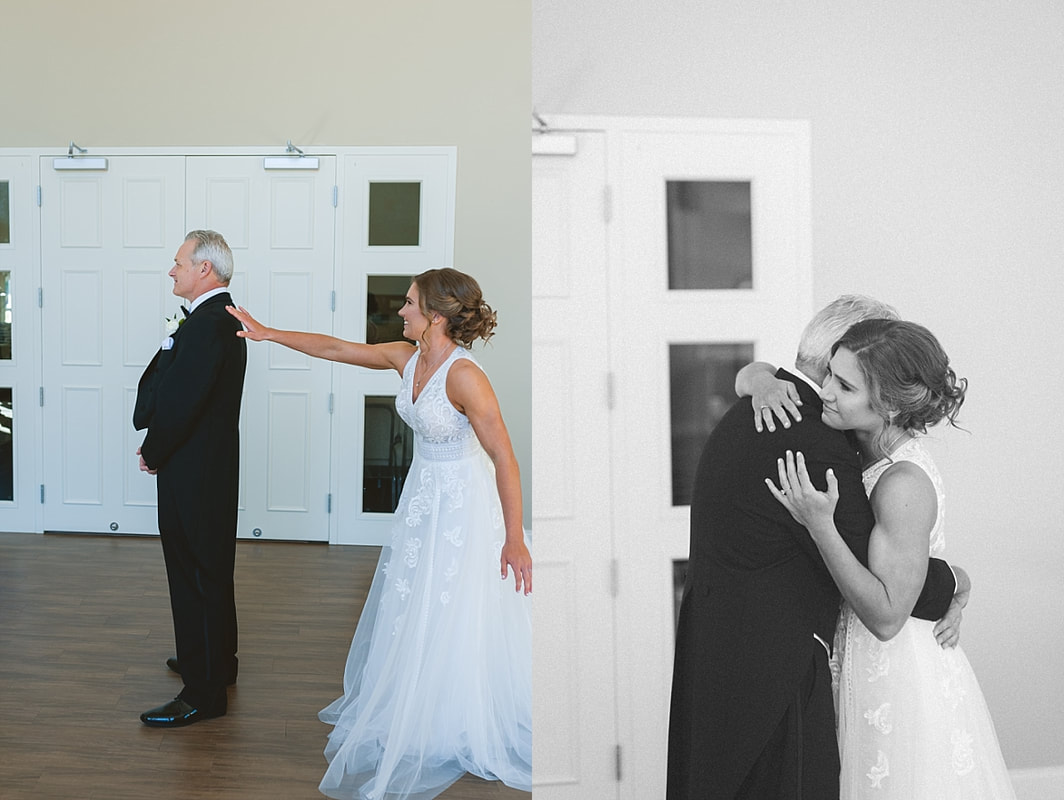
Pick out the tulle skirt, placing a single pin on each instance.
(438, 678)
(913, 724)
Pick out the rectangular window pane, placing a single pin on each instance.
(7, 459)
(702, 389)
(710, 235)
(394, 214)
(5, 315)
(385, 298)
(5, 213)
(387, 450)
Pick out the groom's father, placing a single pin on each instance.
(752, 713)
(189, 401)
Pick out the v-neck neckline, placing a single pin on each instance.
(431, 378)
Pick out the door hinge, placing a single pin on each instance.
(42, 396)
(39, 195)
(332, 300)
(607, 204)
(42, 494)
(609, 391)
(336, 196)
(40, 297)
(332, 397)
(615, 578)
(618, 764)
(328, 503)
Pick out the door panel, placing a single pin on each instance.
(574, 712)
(108, 238)
(682, 355)
(20, 422)
(398, 220)
(280, 226)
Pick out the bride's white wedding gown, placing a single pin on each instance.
(912, 721)
(438, 678)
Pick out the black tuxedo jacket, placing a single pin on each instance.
(189, 400)
(757, 590)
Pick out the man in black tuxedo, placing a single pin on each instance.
(189, 400)
(752, 714)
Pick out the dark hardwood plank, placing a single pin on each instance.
(85, 631)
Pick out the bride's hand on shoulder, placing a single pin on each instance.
(253, 329)
(808, 505)
(515, 556)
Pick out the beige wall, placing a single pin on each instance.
(142, 73)
(938, 186)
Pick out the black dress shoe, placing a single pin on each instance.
(174, 666)
(176, 714)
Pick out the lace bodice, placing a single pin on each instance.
(915, 452)
(434, 420)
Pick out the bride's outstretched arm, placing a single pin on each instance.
(390, 355)
(905, 507)
(470, 391)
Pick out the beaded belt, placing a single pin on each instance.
(448, 451)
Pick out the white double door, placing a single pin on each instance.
(614, 324)
(107, 241)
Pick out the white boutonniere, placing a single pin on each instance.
(173, 323)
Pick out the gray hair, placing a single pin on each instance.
(211, 246)
(828, 326)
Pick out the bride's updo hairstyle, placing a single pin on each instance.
(911, 383)
(456, 297)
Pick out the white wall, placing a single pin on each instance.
(938, 185)
(405, 72)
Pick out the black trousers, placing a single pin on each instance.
(203, 605)
(801, 759)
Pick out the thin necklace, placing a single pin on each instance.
(436, 363)
(890, 447)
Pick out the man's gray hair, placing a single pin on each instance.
(211, 246)
(828, 326)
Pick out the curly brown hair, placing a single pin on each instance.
(456, 297)
(911, 382)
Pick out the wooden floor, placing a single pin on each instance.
(85, 631)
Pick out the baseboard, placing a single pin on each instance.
(1042, 783)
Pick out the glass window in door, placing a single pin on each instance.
(388, 449)
(384, 297)
(5, 213)
(709, 235)
(5, 315)
(7, 457)
(701, 390)
(394, 214)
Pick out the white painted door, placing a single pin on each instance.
(107, 240)
(575, 723)
(397, 209)
(20, 426)
(711, 233)
(280, 226)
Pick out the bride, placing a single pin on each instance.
(912, 722)
(438, 677)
